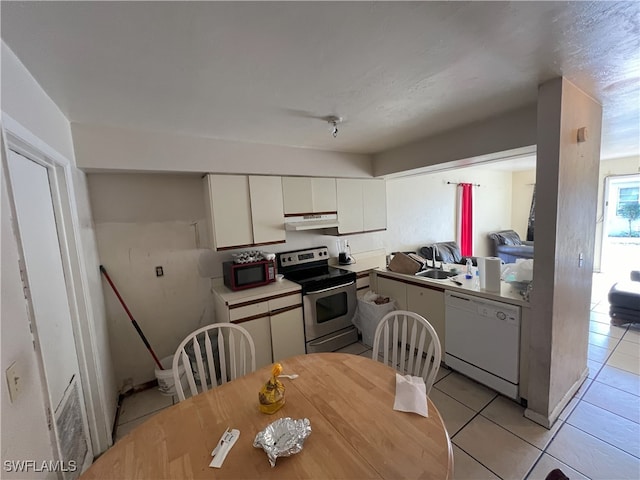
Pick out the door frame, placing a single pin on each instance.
(22, 141)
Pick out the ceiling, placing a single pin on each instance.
(269, 72)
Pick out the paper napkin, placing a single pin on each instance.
(411, 395)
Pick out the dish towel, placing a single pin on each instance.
(411, 395)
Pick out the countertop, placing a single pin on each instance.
(251, 294)
(507, 294)
(364, 262)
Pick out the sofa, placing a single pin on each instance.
(447, 252)
(508, 246)
(624, 301)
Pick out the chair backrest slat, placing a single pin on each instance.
(413, 359)
(188, 372)
(403, 341)
(408, 336)
(243, 356)
(210, 360)
(235, 349)
(233, 366)
(223, 358)
(394, 349)
(199, 365)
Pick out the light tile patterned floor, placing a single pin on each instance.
(596, 437)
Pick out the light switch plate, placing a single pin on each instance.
(14, 381)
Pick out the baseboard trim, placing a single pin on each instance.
(548, 421)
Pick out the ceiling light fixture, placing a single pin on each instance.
(334, 121)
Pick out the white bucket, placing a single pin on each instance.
(166, 383)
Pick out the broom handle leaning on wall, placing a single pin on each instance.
(133, 320)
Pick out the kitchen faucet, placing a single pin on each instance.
(434, 253)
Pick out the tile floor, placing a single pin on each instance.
(596, 437)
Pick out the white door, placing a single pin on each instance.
(53, 331)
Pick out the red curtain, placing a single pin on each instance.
(466, 219)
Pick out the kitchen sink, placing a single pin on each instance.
(436, 274)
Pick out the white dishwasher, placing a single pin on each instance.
(482, 341)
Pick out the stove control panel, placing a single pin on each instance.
(300, 257)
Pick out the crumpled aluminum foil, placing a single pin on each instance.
(283, 438)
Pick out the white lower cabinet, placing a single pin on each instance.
(429, 303)
(425, 301)
(395, 290)
(287, 334)
(363, 282)
(260, 331)
(274, 322)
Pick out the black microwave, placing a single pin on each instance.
(238, 276)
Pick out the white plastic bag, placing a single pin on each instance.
(369, 314)
(521, 271)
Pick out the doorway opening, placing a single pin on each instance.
(621, 225)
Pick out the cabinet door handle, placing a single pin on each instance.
(284, 309)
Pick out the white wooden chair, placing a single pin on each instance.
(235, 356)
(409, 344)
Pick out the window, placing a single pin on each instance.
(627, 195)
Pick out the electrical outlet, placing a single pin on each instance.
(159, 272)
(14, 381)
(580, 260)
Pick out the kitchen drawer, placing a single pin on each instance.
(362, 281)
(286, 301)
(248, 311)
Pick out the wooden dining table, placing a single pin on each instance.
(355, 433)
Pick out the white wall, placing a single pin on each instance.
(566, 197)
(96, 313)
(24, 429)
(28, 104)
(144, 221)
(148, 220)
(24, 426)
(523, 183)
(27, 110)
(510, 131)
(106, 148)
(422, 209)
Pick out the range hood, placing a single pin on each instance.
(311, 222)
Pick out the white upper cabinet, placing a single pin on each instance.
(374, 194)
(350, 206)
(244, 210)
(323, 191)
(297, 195)
(229, 207)
(266, 209)
(304, 195)
(362, 205)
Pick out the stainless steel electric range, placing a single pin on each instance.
(328, 298)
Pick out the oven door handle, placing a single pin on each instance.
(331, 288)
(321, 342)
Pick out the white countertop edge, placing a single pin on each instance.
(252, 294)
(363, 262)
(507, 293)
